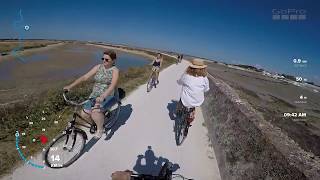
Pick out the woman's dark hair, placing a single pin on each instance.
(111, 53)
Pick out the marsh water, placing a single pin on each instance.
(63, 62)
(45, 69)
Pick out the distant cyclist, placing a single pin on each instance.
(181, 57)
(194, 83)
(178, 59)
(156, 64)
(106, 77)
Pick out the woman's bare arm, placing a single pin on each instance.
(85, 77)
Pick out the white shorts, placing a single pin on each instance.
(155, 68)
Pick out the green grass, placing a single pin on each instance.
(51, 106)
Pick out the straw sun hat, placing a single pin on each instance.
(198, 64)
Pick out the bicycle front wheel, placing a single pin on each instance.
(65, 149)
(150, 84)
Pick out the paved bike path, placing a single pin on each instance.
(145, 123)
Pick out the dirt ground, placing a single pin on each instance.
(273, 98)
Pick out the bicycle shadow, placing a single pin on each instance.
(124, 114)
(89, 145)
(172, 109)
(150, 164)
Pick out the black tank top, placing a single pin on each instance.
(156, 63)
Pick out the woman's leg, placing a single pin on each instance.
(85, 115)
(98, 117)
(151, 74)
(157, 76)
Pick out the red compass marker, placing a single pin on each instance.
(43, 139)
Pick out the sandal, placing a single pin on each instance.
(98, 134)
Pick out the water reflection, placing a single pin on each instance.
(62, 62)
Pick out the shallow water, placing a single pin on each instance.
(64, 62)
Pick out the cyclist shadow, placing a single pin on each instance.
(150, 164)
(124, 114)
(172, 106)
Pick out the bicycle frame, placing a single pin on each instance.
(165, 174)
(185, 111)
(151, 81)
(73, 123)
(181, 123)
(153, 75)
(73, 133)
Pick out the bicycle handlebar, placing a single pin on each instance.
(72, 102)
(179, 175)
(150, 177)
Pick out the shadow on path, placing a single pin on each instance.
(90, 144)
(150, 164)
(125, 113)
(172, 109)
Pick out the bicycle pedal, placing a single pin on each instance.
(93, 129)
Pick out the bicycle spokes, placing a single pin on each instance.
(180, 129)
(65, 149)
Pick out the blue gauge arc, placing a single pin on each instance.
(17, 26)
(29, 162)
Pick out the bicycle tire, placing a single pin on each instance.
(64, 138)
(151, 82)
(149, 85)
(154, 82)
(181, 124)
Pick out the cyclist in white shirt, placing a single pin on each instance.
(194, 84)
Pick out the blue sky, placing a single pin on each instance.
(230, 31)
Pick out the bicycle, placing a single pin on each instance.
(68, 147)
(178, 60)
(181, 57)
(152, 82)
(164, 174)
(181, 123)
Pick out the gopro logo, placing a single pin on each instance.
(289, 14)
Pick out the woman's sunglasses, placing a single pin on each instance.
(105, 59)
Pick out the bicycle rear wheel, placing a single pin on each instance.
(65, 149)
(180, 126)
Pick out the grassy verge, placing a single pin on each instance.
(52, 108)
(303, 131)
